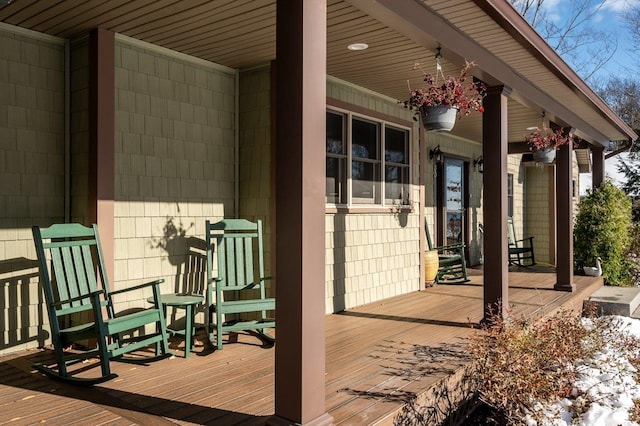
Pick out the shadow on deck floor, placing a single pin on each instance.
(383, 359)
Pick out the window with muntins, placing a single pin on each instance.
(368, 161)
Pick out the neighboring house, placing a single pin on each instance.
(150, 117)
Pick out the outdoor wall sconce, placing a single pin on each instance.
(435, 154)
(478, 163)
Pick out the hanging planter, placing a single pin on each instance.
(544, 155)
(439, 117)
(544, 141)
(439, 103)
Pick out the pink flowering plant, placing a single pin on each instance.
(459, 93)
(547, 138)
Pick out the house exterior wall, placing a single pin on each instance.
(369, 256)
(175, 168)
(32, 175)
(372, 255)
(256, 199)
(576, 186)
(469, 151)
(515, 167)
(79, 130)
(174, 160)
(540, 209)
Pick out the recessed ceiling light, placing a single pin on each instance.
(357, 46)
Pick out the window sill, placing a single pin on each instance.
(368, 209)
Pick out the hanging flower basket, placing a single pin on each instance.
(439, 103)
(439, 117)
(543, 143)
(544, 155)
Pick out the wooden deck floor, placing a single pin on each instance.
(379, 356)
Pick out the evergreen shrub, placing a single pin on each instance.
(603, 229)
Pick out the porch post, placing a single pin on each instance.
(494, 205)
(300, 213)
(597, 173)
(102, 140)
(564, 212)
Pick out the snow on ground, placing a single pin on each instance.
(606, 385)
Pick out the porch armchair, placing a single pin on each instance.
(236, 294)
(452, 264)
(520, 251)
(81, 308)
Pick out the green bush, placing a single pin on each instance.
(603, 229)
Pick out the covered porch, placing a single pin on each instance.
(379, 359)
(150, 117)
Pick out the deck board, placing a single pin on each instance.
(378, 357)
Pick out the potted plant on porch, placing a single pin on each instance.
(544, 142)
(440, 102)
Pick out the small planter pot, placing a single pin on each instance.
(439, 118)
(545, 155)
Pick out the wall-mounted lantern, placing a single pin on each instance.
(478, 163)
(435, 154)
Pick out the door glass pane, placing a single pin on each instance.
(454, 200)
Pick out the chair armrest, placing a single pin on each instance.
(457, 246)
(139, 286)
(530, 239)
(91, 295)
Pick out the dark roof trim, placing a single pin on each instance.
(626, 147)
(503, 13)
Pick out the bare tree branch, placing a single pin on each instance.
(571, 33)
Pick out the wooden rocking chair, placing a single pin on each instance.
(520, 251)
(452, 264)
(80, 306)
(239, 285)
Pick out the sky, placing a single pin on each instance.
(623, 64)
(609, 18)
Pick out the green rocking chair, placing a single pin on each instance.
(452, 264)
(81, 308)
(236, 292)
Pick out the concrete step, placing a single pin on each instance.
(611, 300)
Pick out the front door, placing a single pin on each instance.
(452, 199)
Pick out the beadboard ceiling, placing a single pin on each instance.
(241, 33)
